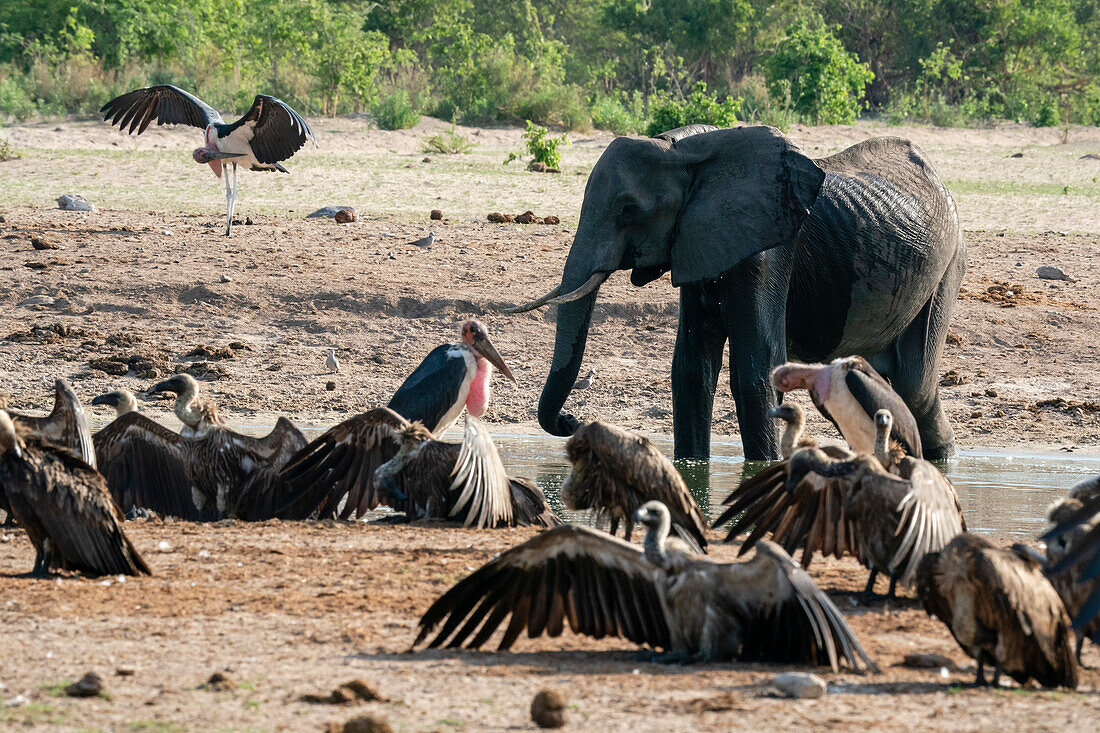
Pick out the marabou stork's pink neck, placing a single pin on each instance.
(477, 401)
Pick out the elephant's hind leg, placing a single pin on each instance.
(696, 363)
(916, 374)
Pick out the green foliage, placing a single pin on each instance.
(8, 151)
(448, 143)
(614, 63)
(395, 111)
(541, 147)
(825, 83)
(699, 107)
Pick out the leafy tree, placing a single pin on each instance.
(825, 83)
(668, 113)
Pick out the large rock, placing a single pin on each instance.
(800, 685)
(74, 202)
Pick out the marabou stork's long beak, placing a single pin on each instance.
(483, 346)
(217, 154)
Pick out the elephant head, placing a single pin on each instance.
(697, 205)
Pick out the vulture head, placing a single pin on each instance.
(9, 439)
(122, 400)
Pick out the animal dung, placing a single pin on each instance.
(800, 685)
(527, 217)
(219, 682)
(346, 216)
(330, 386)
(361, 724)
(548, 709)
(538, 167)
(436, 215)
(357, 690)
(90, 685)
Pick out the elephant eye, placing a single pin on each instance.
(629, 210)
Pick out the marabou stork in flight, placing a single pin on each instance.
(268, 133)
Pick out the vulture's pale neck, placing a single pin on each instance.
(791, 434)
(654, 542)
(126, 403)
(882, 444)
(187, 408)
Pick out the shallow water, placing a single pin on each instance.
(1001, 495)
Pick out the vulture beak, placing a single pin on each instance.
(106, 399)
(167, 385)
(483, 346)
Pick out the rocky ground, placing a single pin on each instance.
(146, 285)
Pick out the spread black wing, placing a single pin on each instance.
(277, 131)
(874, 393)
(165, 104)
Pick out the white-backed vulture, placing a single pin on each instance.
(848, 392)
(1083, 558)
(1001, 610)
(66, 425)
(1075, 585)
(143, 462)
(851, 505)
(693, 609)
(64, 506)
(236, 474)
(616, 471)
(792, 438)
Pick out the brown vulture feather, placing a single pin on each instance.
(1001, 610)
(64, 506)
(616, 471)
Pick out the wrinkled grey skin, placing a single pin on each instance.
(779, 255)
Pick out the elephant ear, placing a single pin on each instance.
(751, 190)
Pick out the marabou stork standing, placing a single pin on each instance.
(848, 392)
(341, 462)
(268, 133)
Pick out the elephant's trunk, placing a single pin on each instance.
(574, 318)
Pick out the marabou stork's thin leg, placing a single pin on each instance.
(232, 204)
(228, 200)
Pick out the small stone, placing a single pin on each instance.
(975, 414)
(1017, 155)
(917, 660)
(166, 232)
(551, 220)
(125, 671)
(548, 709)
(346, 216)
(38, 300)
(74, 202)
(275, 368)
(991, 393)
(1046, 272)
(425, 159)
(327, 212)
(367, 724)
(436, 215)
(89, 685)
(248, 221)
(330, 386)
(40, 243)
(225, 279)
(220, 683)
(800, 685)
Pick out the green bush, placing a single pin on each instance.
(14, 101)
(617, 114)
(699, 107)
(448, 143)
(826, 84)
(395, 111)
(541, 147)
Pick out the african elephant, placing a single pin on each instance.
(778, 254)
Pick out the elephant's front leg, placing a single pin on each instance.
(696, 363)
(754, 301)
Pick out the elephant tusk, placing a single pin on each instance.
(534, 303)
(593, 282)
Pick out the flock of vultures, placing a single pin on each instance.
(874, 499)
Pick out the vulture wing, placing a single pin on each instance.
(600, 585)
(930, 516)
(273, 130)
(811, 517)
(145, 467)
(66, 425)
(166, 104)
(278, 446)
(340, 463)
(785, 617)
(70, 505)
(485, 492)
(873, 393)
(529, 504)
(1084, 555)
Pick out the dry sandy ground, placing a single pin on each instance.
(290, 609)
